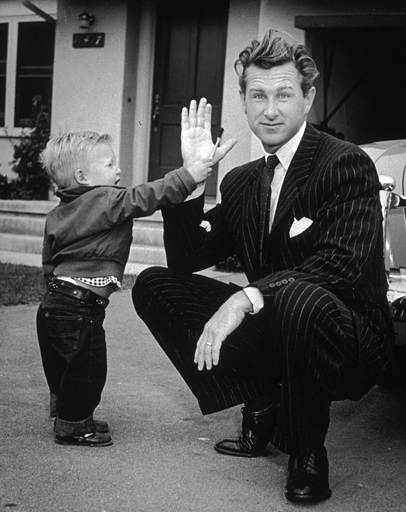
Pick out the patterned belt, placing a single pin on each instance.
(77, 292)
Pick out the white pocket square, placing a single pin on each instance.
(205, 225)
(299, 226)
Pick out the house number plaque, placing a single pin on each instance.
(95, 40)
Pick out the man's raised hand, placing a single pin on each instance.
(196, 139)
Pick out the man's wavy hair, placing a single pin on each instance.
(275, 50)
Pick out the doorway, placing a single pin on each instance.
(189, 64)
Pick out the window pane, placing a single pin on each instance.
(35, 56)
(3, 70)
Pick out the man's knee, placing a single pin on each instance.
(296, 294)
(309, 312)
(148, 274)
(145, 282)
(300, 303)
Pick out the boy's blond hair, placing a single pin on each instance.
(64, 154)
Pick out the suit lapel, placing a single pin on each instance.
(297, 174)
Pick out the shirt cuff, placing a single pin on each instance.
(256, 299)
(197, 192)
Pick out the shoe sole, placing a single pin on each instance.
(240, 454)
(307, 499)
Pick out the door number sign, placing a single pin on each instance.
(95, 40)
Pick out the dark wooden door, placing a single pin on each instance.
(189, 64)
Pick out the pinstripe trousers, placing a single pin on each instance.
(303, 345)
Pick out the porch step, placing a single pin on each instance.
(22, 226)
(20, 243)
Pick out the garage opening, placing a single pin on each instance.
(362, 60)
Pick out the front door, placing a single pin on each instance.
(189, 64)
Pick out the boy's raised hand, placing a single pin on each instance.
(196, 140)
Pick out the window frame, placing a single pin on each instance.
(9, 129)
(4, 76)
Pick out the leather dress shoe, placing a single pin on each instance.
(308, 477)
(255, 434)
(95, 439)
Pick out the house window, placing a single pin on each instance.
(35, 55)
(3, 67)
(26, 70)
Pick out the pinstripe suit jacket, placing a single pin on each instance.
(331, 182)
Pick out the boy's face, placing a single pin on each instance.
(99, 166)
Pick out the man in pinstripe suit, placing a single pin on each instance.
(313, 325)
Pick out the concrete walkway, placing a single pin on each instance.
(162, 459)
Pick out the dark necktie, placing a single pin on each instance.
(265, 199)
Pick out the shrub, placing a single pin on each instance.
(5, 187)
(32, 181)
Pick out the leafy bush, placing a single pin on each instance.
(32, 181)
(5, 187)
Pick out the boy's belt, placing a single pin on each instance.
(77, 292)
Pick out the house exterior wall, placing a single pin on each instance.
(89, 82)
(109, 89)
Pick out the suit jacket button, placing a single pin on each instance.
(278, 283)
(291, 279)
(285, 281)
(271, 285)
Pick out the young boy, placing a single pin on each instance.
(86, 246)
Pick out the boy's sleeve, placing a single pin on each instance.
(143, 200)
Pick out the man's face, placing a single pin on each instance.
(274, 104)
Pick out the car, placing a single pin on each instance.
(389, 157)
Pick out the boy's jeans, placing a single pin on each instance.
(73, 351)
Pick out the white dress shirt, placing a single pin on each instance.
(285, 155)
